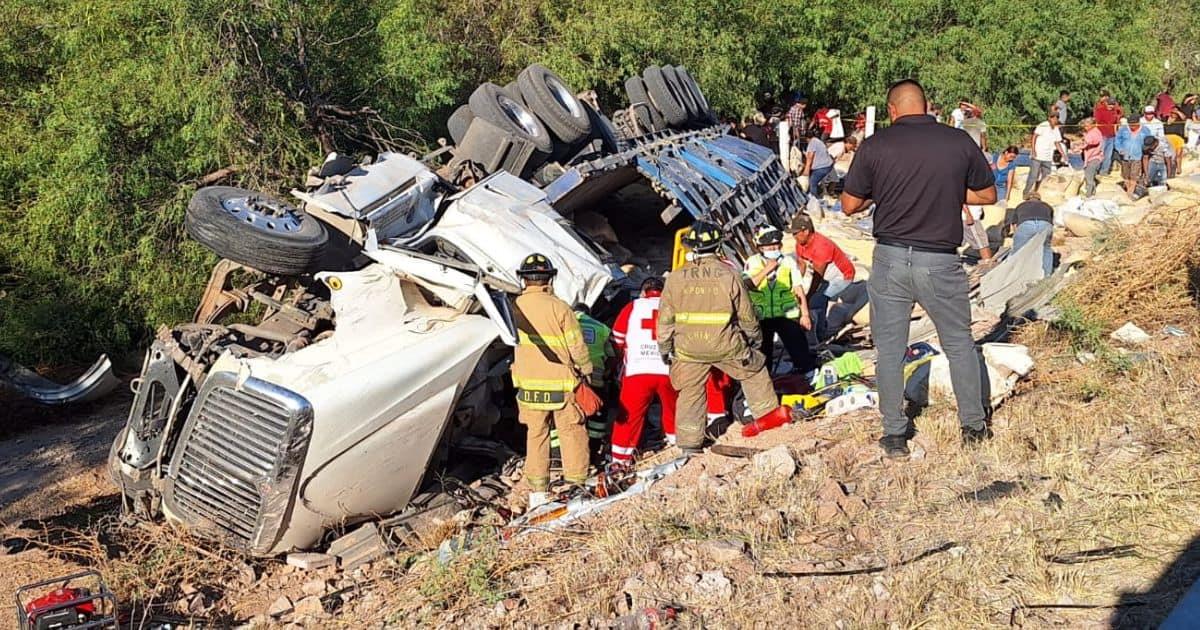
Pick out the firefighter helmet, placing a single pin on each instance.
(704, 237)
(768, 236)
(536, 265)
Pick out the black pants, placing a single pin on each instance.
(795, 341)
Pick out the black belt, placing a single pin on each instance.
(917, 248)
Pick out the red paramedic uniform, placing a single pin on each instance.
(635, 334)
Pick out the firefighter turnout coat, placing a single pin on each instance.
(705, 314)
(551, 354)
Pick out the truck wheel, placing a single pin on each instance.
(690, 82)
(490, 103)
(255, 230)
(603, 130)
(549, 98)
(459, 122)
(685, 94)
(662, 94)
(651, 120)
(514, 92)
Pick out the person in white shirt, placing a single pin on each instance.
(643, 375)
(959, 114)
(1150, 120)
(1192, 130)
(1046, 138)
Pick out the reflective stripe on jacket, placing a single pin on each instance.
(550, 353)
(704, 314)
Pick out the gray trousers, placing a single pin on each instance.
(900, 277)
(1038, 170)
(1089, 178)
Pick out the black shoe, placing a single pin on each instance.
(894, 446)
(972, 437)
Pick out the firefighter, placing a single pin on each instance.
(548, 363)
(777, 290)
(644, 373)
(706, 320)
(597, 337)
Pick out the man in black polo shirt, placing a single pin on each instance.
(919, 174)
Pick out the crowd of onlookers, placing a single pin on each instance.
(1148, 148)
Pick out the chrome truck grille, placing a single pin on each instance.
(235, 465)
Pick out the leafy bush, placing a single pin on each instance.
(113, 112)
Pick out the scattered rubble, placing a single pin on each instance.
(1130, 334)
(310, 561)
(776, 462)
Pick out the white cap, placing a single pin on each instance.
(1149, 109)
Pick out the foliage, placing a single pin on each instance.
(112, 112)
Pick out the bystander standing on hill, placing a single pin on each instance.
(1045, 139)
(817, 161)
(1151, 121)
(1107, 114)
(1093, 154)
(1130, 140)
(1063, 106)
(975, 127)
(1192, 129)
(797, 116)
(919, 175)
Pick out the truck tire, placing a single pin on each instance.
(459, 122)
(490, 103)
(663, 96)
(514, 92)
(549, 98)
(685, 95)
(652, 120)
(603, 130)
(689, 81)
(256, 230)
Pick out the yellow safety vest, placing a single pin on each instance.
(772, 298)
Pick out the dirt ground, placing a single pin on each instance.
(53, 473)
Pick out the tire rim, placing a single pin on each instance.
(564, 97)
(266, 215)
(519, 116)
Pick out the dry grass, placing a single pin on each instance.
(153, 569)
(1147, 272)
(1085, 457)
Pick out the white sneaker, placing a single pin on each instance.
(538, 498)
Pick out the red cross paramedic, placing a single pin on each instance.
(635, 334)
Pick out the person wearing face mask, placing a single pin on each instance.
(778, 287)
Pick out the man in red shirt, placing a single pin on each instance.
(834, 273)
(1107, 114)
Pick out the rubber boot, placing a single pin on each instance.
(777, 418)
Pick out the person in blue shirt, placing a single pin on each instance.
(1005, 169)
(1129, 147)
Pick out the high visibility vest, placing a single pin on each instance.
(595, 335)
(773, 297)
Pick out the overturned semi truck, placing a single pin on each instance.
(351, 352)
